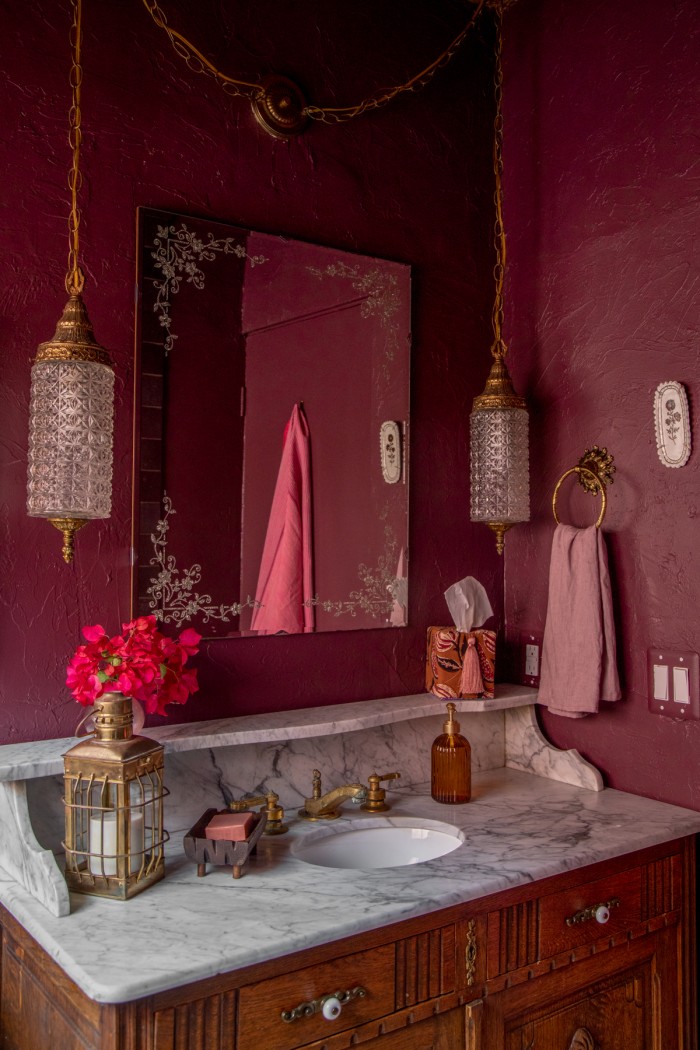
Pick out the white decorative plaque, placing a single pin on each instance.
(390, 448)
(672, 423)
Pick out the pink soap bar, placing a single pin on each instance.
(233, 827)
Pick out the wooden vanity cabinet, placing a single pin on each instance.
(504, 973)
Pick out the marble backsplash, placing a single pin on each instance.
(198, 780)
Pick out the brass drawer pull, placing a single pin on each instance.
(599, 912)
(329, 1006)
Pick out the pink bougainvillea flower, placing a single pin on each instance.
(141, 662)
(95, 633)
(189, 640)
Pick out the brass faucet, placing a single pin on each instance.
(325, 807)
(271, 810)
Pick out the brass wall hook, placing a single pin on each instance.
(595, 470)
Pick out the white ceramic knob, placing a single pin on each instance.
(602, 914)
(331, 1008)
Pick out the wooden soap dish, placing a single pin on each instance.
(221, 852)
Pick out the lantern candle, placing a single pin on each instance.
(103, 843)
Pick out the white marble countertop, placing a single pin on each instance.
(518, 828)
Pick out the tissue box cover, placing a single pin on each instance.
(443, 669)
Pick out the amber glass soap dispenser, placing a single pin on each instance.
(451, 763)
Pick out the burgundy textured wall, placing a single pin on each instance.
(603, 204)
(409, 182)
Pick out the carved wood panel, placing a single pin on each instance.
(513, 937)
(35, 1013)
(619, 1017)
(661, 886)
(425, 966)
(204, 1024)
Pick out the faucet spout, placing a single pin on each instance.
(325, 807)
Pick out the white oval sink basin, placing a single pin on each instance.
(378, 843)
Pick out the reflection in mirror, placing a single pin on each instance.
(271, 430)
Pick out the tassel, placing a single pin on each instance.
(471, 680)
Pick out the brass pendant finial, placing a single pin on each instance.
(69, 527)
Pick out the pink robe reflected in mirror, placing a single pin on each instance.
(285, 580)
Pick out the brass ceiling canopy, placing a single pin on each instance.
(280, 107)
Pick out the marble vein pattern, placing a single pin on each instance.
(23, 858)
(198, 780)
(526, 748)
(519, 828)
(44, 757)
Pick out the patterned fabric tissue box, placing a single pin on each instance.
(447, 648)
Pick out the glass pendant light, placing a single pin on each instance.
(71, 408)
(500, 474)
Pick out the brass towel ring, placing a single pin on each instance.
(595, 470)
(596, 481)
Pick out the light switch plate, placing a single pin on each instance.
(530, 658)
(673, 683)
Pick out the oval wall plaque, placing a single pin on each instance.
(672, 423)
(390, 449)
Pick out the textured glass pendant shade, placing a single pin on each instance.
(500, 474)
(70, 427)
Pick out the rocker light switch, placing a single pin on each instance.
(673, 683)
(660, 682)
(681, 692)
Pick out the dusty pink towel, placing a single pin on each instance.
(285, 580)
(578, 650)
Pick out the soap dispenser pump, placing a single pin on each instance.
(451, 763)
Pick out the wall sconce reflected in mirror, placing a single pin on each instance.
(70, 417)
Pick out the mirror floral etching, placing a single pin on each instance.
(267, 372)
(177, 255)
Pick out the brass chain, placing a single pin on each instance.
(74, 277)
(198, 63)
(498, 348)
(341, 114)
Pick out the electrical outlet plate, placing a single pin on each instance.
(530, 658)
(673, 683)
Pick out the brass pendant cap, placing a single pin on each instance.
(499, 391)
(74, 339)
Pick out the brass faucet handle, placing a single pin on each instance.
(242, 804)
(316, 783)
(384, 776)
(271, 810)
(376, 796)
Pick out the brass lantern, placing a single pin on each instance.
(114, 806)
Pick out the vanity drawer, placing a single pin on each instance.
(260, 1024)
(568, 919)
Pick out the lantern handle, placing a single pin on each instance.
(83, 722)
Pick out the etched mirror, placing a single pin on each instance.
(272, 398)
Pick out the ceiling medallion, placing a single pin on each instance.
(280, 107)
